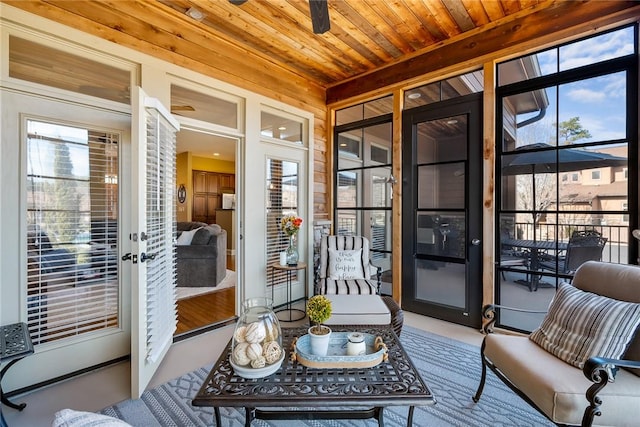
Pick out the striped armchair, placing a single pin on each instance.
(345, 267)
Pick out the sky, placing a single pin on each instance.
(599, 102)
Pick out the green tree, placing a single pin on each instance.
(571, 131)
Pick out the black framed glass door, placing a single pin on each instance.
(442, 218)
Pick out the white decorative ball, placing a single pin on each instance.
(239, 334)
(271, 352)
(255, 332)
(254, 351)
(240, 354)
(258, 362)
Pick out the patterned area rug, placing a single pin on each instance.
(451, 368)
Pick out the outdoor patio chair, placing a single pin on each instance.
(582, 365)
(345, 267)
(584, 245)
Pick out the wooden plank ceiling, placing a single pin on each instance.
(384, 39)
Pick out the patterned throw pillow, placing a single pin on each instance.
(582, 324)
(71, 418)
(345, 264)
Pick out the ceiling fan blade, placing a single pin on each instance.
(182, 108)
(319, 16)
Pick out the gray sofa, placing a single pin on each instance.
(203, 262)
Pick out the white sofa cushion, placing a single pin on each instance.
(581, 324)
(358, 310)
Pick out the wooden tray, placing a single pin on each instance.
(337, 354)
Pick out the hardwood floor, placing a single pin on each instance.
(203, 310)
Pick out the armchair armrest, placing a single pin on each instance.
(377, 270)
(601, 371)
(489, 313)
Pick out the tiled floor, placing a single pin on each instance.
(94, 391)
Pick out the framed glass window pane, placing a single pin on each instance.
(348, 190)
(378, 139)
(528, 67)
(529, 118)
(37, 63)
(441, 186)
(347, 223)
(453, 87)
(597, 49)
(349, 114)
(282, 128)
(442, 140)
(378, 107)
(440, 282)
(349, 148)
(376, 187)
(189, 103)
(441, 233)
(593, 109)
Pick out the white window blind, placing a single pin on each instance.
(72, 205)
(161, 276)
(282, 199)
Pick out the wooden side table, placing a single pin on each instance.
(15, 344)
(289, 269)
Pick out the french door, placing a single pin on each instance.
(153, 229)
(61, 192)
(441, 231)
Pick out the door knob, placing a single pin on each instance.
(144, 256)
(475, 242)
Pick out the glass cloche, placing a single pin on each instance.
(256, 348)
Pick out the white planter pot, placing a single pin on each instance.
(319, 343)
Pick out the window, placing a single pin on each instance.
(366, 110)
(210, 109)
(280, 127)
(362, 190)
(282, 199)
(441, 90)
(41, 64)
(72, 205)
(551, 105)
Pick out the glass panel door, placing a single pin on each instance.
(441, 212)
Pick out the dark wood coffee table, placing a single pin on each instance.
(297, 392)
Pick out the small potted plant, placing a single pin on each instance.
(319, 311)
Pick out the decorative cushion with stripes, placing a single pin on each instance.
(347, 287)
(580, 325)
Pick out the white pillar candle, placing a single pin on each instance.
(283, 258)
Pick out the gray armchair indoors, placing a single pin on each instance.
(201, 254)
(582, 365)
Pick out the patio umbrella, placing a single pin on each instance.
(543, 158)
(546, 161)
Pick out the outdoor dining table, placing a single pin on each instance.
(536, 247)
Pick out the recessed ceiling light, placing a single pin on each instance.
(282, 128)
(414, 95)
(216, 154)
(343, 144)
(452, 122)
(194, 13)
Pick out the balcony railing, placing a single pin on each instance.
(615, 251)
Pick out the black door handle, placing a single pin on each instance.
(144, 256)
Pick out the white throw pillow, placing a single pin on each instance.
(345, 264)
(71, 418)
(186, 237)
(580, 325)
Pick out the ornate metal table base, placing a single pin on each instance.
(297, 392)
(15, 344)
